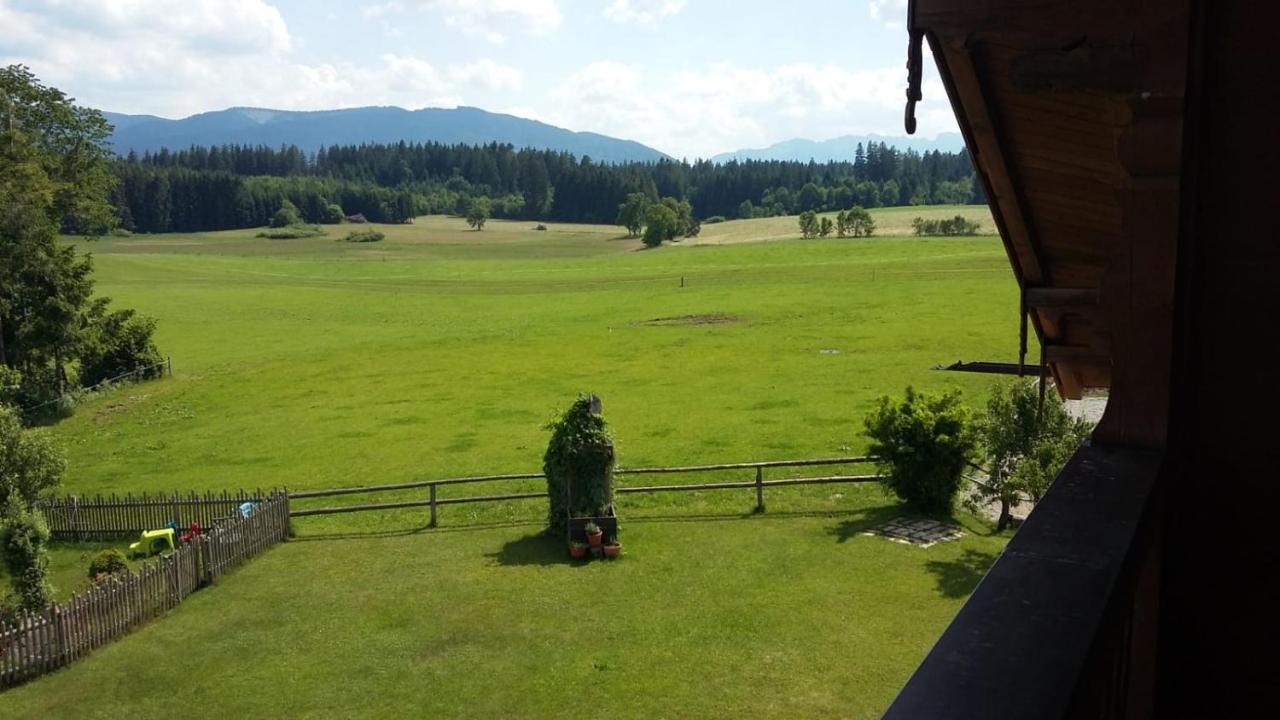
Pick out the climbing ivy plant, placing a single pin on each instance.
(579, 464)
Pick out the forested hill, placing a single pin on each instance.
(239, 186)
(354, 126)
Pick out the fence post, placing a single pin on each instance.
(432, 489)
(168, 361)
(759, 489)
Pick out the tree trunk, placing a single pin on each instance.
(1005, 516)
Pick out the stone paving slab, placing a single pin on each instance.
(921, 533)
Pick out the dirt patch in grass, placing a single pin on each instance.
(705, 319)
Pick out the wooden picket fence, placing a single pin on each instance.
(39, 643)
(115, 517)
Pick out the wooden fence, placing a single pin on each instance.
(119, 517)
(42, 642)
(434, 502)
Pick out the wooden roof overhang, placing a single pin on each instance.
(1072, 112)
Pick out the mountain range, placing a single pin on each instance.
(841, 148)
(309, 130)
(312, 129)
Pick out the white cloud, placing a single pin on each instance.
(487, 75)
(643, 12)
(725, 107)
(494, 20)
(150, 57)
(892, 13)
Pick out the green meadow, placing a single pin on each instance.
(441, 352)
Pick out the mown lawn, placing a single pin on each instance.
(442, 352)
(772, 616)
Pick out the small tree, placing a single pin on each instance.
(478, 212)
(825, 226)
(332, 214)
(631, 213)
(1025, 444)
(746, 210)
(842, 223)
(24, 536)
(808, 223)
(30, 465)
(578, 464)
(661, 223)
(287, 215)
(120, 343)
(923, 444)
(859, 222)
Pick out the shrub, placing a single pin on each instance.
(287, 215)
(30, 464)
(120, 343)
(957, 225)
(292, 232)
(120, 232)
(332, 214)
(10, 385)
(858, 222)
(24, 536)
(809, 223)
(1025, 444)
(578, 464)
(364, 236)
(923, 442)
(714, 219)
(541, 228)
(107, 562)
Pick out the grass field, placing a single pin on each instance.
(439, 352)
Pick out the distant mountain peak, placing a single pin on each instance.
(840, 148)
(309, 130)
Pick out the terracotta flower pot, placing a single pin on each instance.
(612, 550)
(595, 538)
(577, 551)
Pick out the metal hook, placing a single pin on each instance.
(915, 62)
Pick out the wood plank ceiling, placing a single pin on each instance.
(1073, 114)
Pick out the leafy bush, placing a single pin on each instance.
(10, 385)
(24, 536)
(1025, 444)
(332, 214)
(923, 442)
(364, 236)
(858, 222)
(30, 464)
(107, 562)
(957, 225)
(578, 464)
(714, 219)
(541, 228)
(120, 343)
(287, 215)
(292, 232)
(809, 225)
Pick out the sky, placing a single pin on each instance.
(691, 78)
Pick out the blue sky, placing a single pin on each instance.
(689, 77)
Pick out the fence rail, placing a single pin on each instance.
(434, 502)
(115, 518)
(38, 643)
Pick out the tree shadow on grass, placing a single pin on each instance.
(957, 578)
(864, 520)
(535, 549)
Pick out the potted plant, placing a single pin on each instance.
(612, 549)
(595, 535)
(577, 550)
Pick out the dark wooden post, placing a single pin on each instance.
(759, 489)
(432, 489)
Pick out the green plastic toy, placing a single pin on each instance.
(153, 542)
